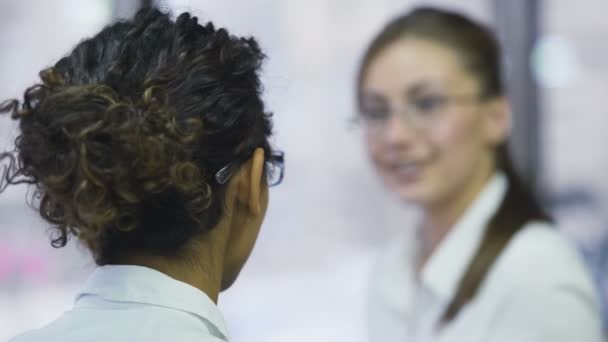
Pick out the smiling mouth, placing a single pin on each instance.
(405, 172)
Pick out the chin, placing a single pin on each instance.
(418, 191)
(412, 198)
(415, 194)
(411, 193)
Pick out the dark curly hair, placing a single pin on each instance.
(122, 138)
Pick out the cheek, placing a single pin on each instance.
(373, 144)
(458, 143)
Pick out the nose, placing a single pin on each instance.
(399, 131)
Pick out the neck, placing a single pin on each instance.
(439, 219)
(200, 263)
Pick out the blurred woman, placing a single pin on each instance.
(149, 144)
(487, 264)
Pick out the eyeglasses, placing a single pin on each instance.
(422, 112)
(274, 169)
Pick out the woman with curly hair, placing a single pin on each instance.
(149, 144)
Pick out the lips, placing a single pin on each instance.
(405, 172)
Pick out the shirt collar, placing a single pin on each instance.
(138, 284)
(446, 266)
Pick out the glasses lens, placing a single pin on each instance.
(273, 172)
(275, 169)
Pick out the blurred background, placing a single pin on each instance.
(307, 278)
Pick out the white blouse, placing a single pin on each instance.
(537, 290)
(134, 303)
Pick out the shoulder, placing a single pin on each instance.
(29, 336)
(49, 332)
(541, 289)
(540, 256)
(137, 323)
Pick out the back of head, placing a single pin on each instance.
(122, 137)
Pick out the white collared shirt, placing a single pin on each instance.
(538, 289)
(134, 303)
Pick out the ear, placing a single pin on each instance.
(250, 182)
(498, 120)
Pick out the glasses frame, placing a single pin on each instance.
(276, 158)
(412, 110)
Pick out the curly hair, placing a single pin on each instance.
(121, 139)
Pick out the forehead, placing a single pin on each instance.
(411, 61)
